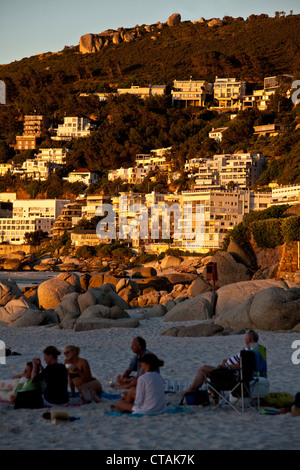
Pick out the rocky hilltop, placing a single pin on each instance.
(95, 42)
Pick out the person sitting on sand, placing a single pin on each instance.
(27, 385)
(125, 380)
(54, 377)
(80, 376)
(150, 390)
(251, 340)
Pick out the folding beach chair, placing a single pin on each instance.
(233, 386)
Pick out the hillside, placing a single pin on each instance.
(251, 49)
(248, 50)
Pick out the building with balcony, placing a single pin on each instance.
(209, 214)
(53, 155)
(32, 129)
(70, 215)
(29, 215)
(228, 92)
(13, 230)
(82, 175)
(240, 170)
(73, 127)
(187, 93)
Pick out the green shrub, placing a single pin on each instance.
(85, 251)
(291, 229)
(267, 233)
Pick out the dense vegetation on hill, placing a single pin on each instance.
(50, 84)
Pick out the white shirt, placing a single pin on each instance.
(150, 394)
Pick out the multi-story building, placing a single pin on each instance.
(242, 170)
(286, 194)
(53, 155)
(32, 129)
(73, 127)
(25, 142)
(93, 202)
(82, 175)
(132, 175)
(29, 215)
(5, 168)
(261, 99)
(70, 215)
(228, 92)
(187, 93)
(34, 125)
(156, 158)
(34, 169)
(38, 208)
(13, 230)
(208, 215)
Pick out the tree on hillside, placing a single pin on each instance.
(35, 238)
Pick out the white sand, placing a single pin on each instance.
(108, 352)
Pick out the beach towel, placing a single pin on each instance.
(170, 411)
(108, 396)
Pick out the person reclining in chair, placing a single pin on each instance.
(251, 340)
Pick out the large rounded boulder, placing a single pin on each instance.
(51, 292)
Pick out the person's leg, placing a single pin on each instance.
(203, 372)
(91, 391)
(122, 406)
(130, 395)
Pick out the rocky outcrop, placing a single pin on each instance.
(90, 42)
(215, 22)
(196, 308)
(273, 308)
(229, 270)
(174, 20)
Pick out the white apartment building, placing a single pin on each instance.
(38, 208)
(73, 127)
(53, 155)
(34, 169)
(286, 194)
(228, 92)
(190, 92)
(82, 175)
(156, 158)
(12, 230)
(241, 169)
(222, 211)
(30, 215)
(132, 175)
(93, 202)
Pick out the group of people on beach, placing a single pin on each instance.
(143, 392)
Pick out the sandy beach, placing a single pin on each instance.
(196, 428)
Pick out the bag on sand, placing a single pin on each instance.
(29, 399)
(278, 400)
(197, 397)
